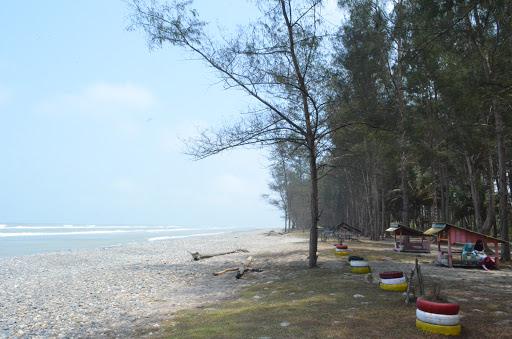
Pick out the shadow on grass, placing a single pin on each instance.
(330, 302)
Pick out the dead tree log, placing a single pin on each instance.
(196, 256)
(241, 270)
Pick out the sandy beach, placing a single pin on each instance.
(116, 291)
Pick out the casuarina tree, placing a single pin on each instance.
(278, 61)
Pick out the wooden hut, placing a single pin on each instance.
(455, 238)
(348, 232)
(408, 239)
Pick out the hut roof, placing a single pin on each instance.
(403, 230)
(438, 227)
(349, 228)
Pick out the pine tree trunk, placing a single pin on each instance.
(502, 177)
(475, 194)
(490, 217)
(313, 234)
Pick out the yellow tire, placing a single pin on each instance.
(402, 287)
(342, 253)
(438, 329)
(362, 270)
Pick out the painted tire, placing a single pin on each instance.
(438, 319)
(342, 253)
(359, 263)
(341, 247)
(360, 270)
(438, 329)
(393, 281)
(355, 258)
(391, 275)
(395, 287)
(437, 308)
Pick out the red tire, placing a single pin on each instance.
(437, 308)
(341, 247)
(391, 275)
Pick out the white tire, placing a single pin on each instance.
(359, 263)
(392, 281)
(437, 319)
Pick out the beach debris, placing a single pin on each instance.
(284, 324)
(358, 296)
(197, 256)
(271, 233)
(240, 270)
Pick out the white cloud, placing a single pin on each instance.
(102, 99)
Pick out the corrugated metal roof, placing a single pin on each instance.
(433, 231)
(404, 230)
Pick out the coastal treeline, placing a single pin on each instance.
(399, 111)
(425, 88)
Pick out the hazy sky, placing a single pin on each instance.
(91, 121)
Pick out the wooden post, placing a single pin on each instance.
(450, 263)
(496, 253)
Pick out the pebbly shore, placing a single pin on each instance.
(116, 291)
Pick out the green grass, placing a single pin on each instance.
(317, 303)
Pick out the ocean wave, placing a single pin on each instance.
(56, 227)
(36, 234)
(167, 230)
(184, 236)
(109, 231)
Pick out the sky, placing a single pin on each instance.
(92, 123)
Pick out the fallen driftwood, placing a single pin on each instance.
(196, 256)
(241, 270)
(272, 233)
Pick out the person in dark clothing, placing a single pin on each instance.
(479, 245)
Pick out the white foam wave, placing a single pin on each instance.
(184, 236)
(38, 234)
(88, 232)
(157, 228)
(167, 230)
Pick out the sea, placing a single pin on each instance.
(26, 239)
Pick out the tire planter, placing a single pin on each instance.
(341, 247)
(341, 252)
(402, 287)
(354, 258)
(438, 329)
(360, 270)
(438, 319)
(359, 263)
(393, 281)
(391, 275)
(438, 308)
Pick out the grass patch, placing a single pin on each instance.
(321, 303)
